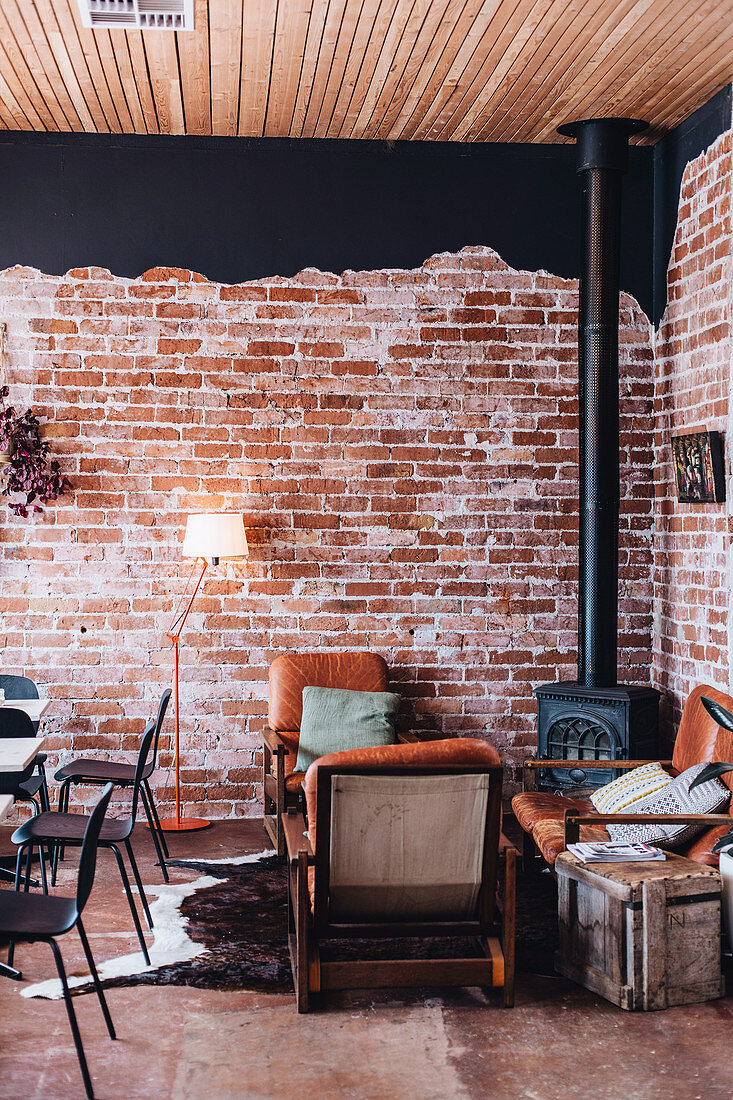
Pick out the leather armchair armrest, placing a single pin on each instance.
(573, 821)
(274, 743)
(294, 830)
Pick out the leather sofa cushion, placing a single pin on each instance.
(534, 806)
(543, 815)
(291, 672)
(549, 836)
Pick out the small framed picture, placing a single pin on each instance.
(698, 467)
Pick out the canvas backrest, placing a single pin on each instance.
(407, 847)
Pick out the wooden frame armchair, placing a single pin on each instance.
(289, 674)
(361, 873)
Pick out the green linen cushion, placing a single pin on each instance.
(335, 719)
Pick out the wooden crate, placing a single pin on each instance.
(643, 935)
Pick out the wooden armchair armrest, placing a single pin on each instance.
(274, 743)
(296, 840)
(411, 737)
(573, 821)
(531, 767)
(587, 764)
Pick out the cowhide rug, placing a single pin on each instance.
(228, 930)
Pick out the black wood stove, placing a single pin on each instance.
(595, 718)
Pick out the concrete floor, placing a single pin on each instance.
(560, 1041)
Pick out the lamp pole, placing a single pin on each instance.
(210, 537)
(178, 824)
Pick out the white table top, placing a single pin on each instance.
(16, 753)
(6, 802)
(34, 708)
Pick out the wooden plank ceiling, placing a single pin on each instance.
(458, 70)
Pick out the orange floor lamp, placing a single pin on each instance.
(210, 537)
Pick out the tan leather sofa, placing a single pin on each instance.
(550, 821)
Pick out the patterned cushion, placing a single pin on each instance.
(618, 796)
(675, 798)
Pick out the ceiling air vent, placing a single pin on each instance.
(169, 15)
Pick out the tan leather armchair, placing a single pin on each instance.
(289, 674)
(402, 841)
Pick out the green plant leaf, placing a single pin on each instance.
(719, 714)
(711, 771)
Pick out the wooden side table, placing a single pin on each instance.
(643, 935)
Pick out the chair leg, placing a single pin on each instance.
(11, 945)
(131, 903)
(58, 851)
(95, 979)
(42, 858)
(302, 917)
(154, 808)
(138, 882)
(509, 921)
(28, 863)
(43, 792)
(72, 1019)
(154, 833)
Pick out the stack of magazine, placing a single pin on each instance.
(609, 852)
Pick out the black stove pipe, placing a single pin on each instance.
(602, 161)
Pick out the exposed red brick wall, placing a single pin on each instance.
(403, 447)
(692, 378)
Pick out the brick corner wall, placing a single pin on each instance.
(692, 568)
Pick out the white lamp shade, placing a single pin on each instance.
(215, 535)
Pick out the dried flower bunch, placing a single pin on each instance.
(29, 469)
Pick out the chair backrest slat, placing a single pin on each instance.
(18, 687)
(88, 858)
(162, 708)
(142, 759)
(15, 723)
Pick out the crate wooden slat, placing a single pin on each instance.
(643, 935)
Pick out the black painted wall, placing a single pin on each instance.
(242, 208)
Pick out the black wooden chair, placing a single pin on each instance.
(55, 828)
(21, 687)
(24, 786)
(28, 918)
(86, 772)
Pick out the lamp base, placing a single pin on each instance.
(185, 825)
